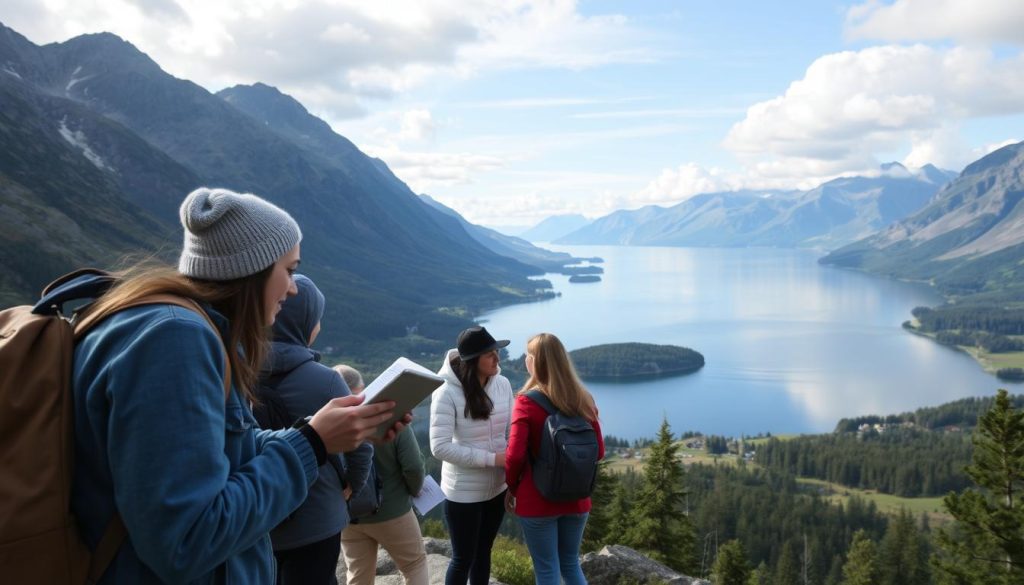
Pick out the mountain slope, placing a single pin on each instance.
(76, 188)
(969, 239)
(554, 227)
(617, 227)
(510, 246)
(831, 215)
(389, 263)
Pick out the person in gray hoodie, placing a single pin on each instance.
(308, 542)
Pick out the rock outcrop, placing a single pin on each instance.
(615, 563)
(612, 565)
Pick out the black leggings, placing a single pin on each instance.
(472, 527)
(315, 564)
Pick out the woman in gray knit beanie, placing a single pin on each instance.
(198, 485)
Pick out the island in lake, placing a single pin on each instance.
(584, 278)
(620, 362)
(616, 361)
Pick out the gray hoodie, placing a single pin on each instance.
(304, 385)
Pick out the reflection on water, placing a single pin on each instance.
(791, 346)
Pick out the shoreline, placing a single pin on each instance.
(989, 362)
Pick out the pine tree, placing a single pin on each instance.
(903, 553)
(660, 527)
(835, 571)
(861, 561)
(620, 513)
(596, 533)
(986, 544)
(731, 566)
(787, 569)
(762, 575)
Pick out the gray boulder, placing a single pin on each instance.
(616, 563)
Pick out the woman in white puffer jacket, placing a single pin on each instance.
(470, 417)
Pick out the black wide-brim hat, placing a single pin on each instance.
(476, 341)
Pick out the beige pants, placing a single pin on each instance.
(399, 536)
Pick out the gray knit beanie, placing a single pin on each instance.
(231, 235)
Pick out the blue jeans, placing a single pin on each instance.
(554, 543)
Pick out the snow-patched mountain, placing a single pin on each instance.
(968, 239)
(100, 146)
(833, 214)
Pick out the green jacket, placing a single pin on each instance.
(400, 467)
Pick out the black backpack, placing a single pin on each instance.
(566, 466)
(367, 501)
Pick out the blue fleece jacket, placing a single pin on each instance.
(294, 373)
(197, 484)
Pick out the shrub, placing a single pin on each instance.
(433, 528)
(511, 563)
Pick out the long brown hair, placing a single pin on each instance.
(555, 376)
(239, 300)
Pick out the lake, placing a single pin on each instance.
(791, 346)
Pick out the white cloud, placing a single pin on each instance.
(349, 47)
(423, 171)
(984, 21)
(346, 34)
(525, 209)
(942, 147)
(851, 105)
(984, 149)
(417, 125)
(675, 185)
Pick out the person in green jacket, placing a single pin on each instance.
(394, 526)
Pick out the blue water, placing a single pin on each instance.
(791, 346)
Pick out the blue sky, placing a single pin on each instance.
(510, 111)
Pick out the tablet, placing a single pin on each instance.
(405, 382)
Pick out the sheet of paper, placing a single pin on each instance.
(430, 496)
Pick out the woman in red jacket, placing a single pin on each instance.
(553, 530)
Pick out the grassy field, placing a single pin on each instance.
(887, 504)
(763, 440)
(994, 361)
(835, 493)
(689, 456)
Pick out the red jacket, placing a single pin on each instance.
(527, 426)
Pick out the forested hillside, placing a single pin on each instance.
(763, 521)
(98, 146)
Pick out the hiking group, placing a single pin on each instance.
(178, 428)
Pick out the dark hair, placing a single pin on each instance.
(239, 300)
(478, 403)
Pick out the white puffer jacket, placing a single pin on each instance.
(467, 447)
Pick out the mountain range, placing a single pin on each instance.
(554, 227)
(98, 146)
(833, 214)
(969, 240)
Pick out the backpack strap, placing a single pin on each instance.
(544, 402)
(542, 399)
(116, 532)
(86, 283)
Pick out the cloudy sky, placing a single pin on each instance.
(514, 110)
